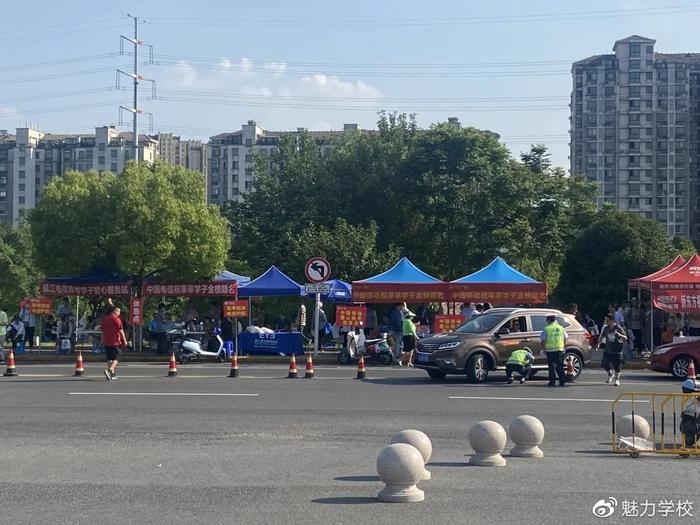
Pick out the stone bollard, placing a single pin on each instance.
(417, 439)
(488, 439)
(527, 432)
(400, 467)
(623, 427)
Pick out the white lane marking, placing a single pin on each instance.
(159, 394)
(584, 400)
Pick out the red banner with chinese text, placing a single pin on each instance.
(109, 290)
(686, 301)
(136, 311)
(447, 323)
(209, 289)
(350, 316)
(40, 305)
(530, 293)
(396, 293)
(236, 308)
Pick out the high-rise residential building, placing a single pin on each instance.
(30, 159)
(231, 157)
(635, 131)
(191, 154)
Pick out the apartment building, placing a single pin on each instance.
(231, 156)
(30, 159)
(191, 154)
(635, 131)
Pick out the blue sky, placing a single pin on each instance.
(502, 66)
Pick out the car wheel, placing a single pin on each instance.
(477, 368)
(679, 367)
(436, 374)
(575, 360)
(385, 358)
(344, 357)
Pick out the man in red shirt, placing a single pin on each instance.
(112, 338)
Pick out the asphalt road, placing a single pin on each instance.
(203, 448)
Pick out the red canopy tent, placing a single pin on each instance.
(645, 282)
(678, 291)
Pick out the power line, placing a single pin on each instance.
(57, 62)
(55, 109)
(54, 76)
(57, 95)
(61, 26)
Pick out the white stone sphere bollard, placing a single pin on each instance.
(417, 439)
(527, 432)
(400, 467)
(488, 439)
(623, 427)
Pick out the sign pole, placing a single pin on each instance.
(235, 320)
(316, 327)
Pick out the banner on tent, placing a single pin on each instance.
(93, 289)
(393, 293)
(236, 308)
(350, 316)
(447, 323)
(499, 293)
(678, 301)
(208, 289)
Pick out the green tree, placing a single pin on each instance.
(152, 220)
(19, 275)
(616, 247)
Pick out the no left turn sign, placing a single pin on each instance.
(317, 270)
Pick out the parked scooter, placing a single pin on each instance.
(358, 345)
(189, 348)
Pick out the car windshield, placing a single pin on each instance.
(481, 323)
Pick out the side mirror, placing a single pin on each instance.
(503, 330)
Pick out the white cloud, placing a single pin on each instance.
(332, 86)
(185, 74)
(276, 67)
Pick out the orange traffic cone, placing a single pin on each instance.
(79, 369)
(569, 370)
(691, 369)
(11, 371)
(361, 373)
(172, 368)
(309, 367)
(234, 365)
(293, 368)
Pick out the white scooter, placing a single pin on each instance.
(189, 348)
(377, 349)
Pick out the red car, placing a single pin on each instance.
(674, 358)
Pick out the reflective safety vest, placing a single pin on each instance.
(518, 357)
(555, 337)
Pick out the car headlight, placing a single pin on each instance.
(449, 346)
(660, 351)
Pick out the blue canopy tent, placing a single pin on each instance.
(273, 283)
(498, 282)
(340, 292)
(402, 282)
(230, 276)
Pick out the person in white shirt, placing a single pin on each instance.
(469, 311)
(16, 330)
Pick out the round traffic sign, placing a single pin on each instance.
(317, 270)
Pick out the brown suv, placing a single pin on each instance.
(485, 342)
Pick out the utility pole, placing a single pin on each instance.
(134, 110)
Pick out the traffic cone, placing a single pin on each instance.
(234, 365)
(172, 368)
(691, 369)
(79, 369)
(361, 373)
(293, 368)
(569, 371)
(11, 371)
(309, 367)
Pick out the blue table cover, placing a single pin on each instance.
(287, 343)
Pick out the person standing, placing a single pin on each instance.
(371, 324)
(29, 320)
(519, 361)
(322, 321)
(4, 321)
(635, 324)
(113, 337)
(612, 336)
(410, 339)
(16, 335)
(396, 325)
(161, 329)
(65, 309)
(469, 311)
(553, 339)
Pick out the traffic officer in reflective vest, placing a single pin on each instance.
(553, 340)
(520, 362)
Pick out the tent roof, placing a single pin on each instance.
(272, 283)
(403, 272)
(230, 276)
(341, 292)
(688, 274)
(671, 267)
(95, 276)
(498, 271)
